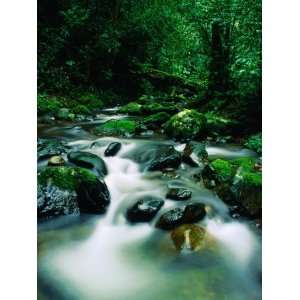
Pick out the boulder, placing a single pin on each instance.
(56, 160)
(144, 210)
(186, 125)
(179, 194)
(64, 189)
(88, 160)
(122, 127)
(112, 149)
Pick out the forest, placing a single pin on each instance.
(149, 140)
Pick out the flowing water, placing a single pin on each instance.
(106, 258)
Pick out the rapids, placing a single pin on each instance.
(106, 258)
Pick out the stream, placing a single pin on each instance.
(103, 257)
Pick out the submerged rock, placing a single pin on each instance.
(70, 188)
(88, 160)
(186, 125)
(144, 210)
(191, 237)
(179, 194)
(112, 149)
(56, 160)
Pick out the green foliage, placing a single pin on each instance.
(81, 109)
(47, 104)
(65, 177)
(98, 47)
(254, 143)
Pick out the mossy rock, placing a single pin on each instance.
(133, 108)
(117, 128)
(186, 125)
(67, 178)
(237, 182)
(64, 189)
(156, 120)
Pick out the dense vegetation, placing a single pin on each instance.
(102, 53)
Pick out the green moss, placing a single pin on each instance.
(247, 163)
(254, 143)
(224, 169)
(187, 124)
(131, 108)
(117, 127)
(46, 104)
(253, 179)
(65, 177)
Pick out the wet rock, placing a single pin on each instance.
(171, 219)
(191, 237)
(179, 194)
(53, 201)
(47, 148)
(186, 125)
(70, 188)
(56, 160)
(165, 157)
(144, 210)
(112, 149)
(93, 197)
(194, 213)
(88, 160)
